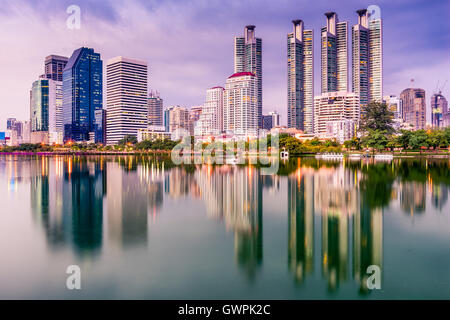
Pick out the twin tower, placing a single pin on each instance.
(366, 64)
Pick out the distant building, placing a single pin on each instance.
(100, 126)
(267, 122)
(275, 118)
(413, 100)
(300, 44)
(167, 118)
(54, 66)
(126, 98)
(211, 119)
(194, 115)
(333, 107)
(82, 93)
(341, 130)
(178, 119)
(155, 109)
(395, 105)
(10, 123)
(55, 118)
(26, 132)
(241, 104)
(248, 58)
(270, 120)
(439, 111)
(39, 110)
(152, 133)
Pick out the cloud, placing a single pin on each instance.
(189, 44)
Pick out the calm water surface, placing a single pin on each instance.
(140, 227)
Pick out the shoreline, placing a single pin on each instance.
(411, 154)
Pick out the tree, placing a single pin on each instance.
(403, 139)
(375, 139)
(418, 139)
(376, 116)
(128, 140)
(354, 143)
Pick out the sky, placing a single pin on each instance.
(189, 44)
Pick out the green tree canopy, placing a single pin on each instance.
(376, 116)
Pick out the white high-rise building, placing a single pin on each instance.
(126, 98)
(55, 120)
(335, 106)
(211, 118)
(240, 114)
(275, 119)
(376, 59)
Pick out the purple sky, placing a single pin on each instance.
(189, 44)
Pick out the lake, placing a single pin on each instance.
(140, 227)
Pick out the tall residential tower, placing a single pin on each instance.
(367, 58)
(248, 58)
(334, 56)
(300, 78)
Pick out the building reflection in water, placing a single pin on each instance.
(301, 223)
(339, 205)
(336, 199)
(234, 195)
(67, 198)
(334, 194)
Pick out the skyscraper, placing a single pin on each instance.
(439, 111)
(334, 73)
(375, 59)
(240, 114)
(82, 93)
(300, 78)
(55, 119)
(45, 111)
(126, 98)
(54, 67)
(413, 100)
(360, 58)
(155, 109)
(248, 58)
(39, 105)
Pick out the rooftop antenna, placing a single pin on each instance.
(442, 87)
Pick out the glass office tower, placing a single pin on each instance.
(82, 94)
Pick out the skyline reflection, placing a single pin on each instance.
(334, 211)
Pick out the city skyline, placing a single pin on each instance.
(202, 69)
